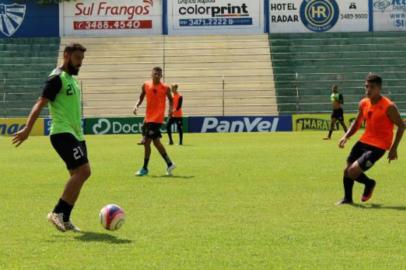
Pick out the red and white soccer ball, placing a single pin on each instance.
(112, 217)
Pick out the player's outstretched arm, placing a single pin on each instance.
(140, 100)
(22, 135)
(353, 129)
(394, 116)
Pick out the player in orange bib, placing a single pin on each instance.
(156, 93)
(176, 116)
(380, 115)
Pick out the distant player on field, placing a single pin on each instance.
(176, 116)
(380, 115)
(156, 93)
(62, 93)
(337, 101)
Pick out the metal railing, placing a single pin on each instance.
(291, 100)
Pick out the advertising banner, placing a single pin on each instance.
(121, 125)
(301, 16)
(111, 18)
(215, 16)
(9, 126)
(240, 124)
(28, 19)
(389, 15)
(304, 122)
(48, 122)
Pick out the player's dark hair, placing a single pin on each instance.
(374, 78)
(73, 47)
(159, 69)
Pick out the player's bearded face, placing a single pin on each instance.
(73, 70)
(75, 62)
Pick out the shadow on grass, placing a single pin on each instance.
(181, 146)
(173, 176)
(380, 206)
(101, 237)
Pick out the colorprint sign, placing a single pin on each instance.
(108, 18)
(389, 15)
(215, 16)
(296, 16)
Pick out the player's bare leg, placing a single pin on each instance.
(161, 149)
(330, 132)
(142, 141)
(352, 173)
(60, 216)
(344, 126)
(355, 172)
(75, 183)
(147, 154)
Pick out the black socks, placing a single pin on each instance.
(146, 160)
(348, 184)
(167, 159)
(65, 208)
(362, 178)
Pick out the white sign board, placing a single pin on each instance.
(215, 17)
(389, 15)
(110, 17)
(300, 16)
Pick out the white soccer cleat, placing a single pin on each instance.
(170, 169)
(57, 220)
(69, 226)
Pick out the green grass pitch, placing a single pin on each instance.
(237, 201)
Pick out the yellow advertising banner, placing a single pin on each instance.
(303, 122)
(9, 126)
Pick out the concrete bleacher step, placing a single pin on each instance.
(336, 55)
(309, 64)
(24, 66)
(32, 40)
(340, 69)
(123, 73)
(90, 86)
(115, 68)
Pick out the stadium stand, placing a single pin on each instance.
(210, 70)
(230, 75)
(24, 65)
(306, 65)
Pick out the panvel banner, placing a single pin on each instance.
(215, 17)
(389, 15)
(28, 19)
(300, 16)
(227, 124)
(111, 17)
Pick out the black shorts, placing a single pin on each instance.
(152, 131)
(143, 129)
(72, 151)
(338, 114)
(177, 120)
(365, 154)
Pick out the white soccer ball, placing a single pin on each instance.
(112, 217)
